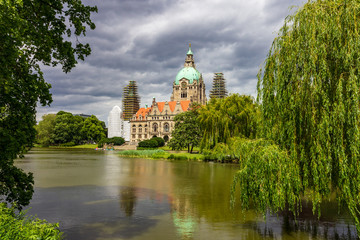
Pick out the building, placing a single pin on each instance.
(115, 123)
(189, 84)
(218, 88)
(131, 100)
(158, 119)
(117, 127)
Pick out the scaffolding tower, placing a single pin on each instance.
(131, 100)
(218, 87)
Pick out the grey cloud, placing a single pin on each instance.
(147, 41)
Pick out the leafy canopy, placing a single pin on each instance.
(221, 119)
(309, 90)
(187, 132)
(32, 32)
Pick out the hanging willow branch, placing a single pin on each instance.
(309, 90)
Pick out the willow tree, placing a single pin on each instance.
(221, 119)
(309, 90)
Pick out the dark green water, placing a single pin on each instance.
(99, 195)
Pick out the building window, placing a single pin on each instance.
(140, 128)
(134, 130)
(145, 129)
(166, 127)
(155, 127)
(133, 136)
(145, 136)
(183, 94)
(139, 135)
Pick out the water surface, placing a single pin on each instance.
(99, 195)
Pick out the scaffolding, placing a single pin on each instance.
(131, 100)
(218, 88)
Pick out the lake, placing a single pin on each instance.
(100, 195)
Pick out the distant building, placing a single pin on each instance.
(115, 123)
(218, 88)
(189, 84)
(131, 100)
(158, 119)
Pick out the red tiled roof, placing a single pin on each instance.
(142, 112)
(184, 105)
(161, 106)
(172, 105)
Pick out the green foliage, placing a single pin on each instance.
(17, 226)
(45, 130)
(267, 179)
(68, 128)
(187, 132)
(116, 141)
(92, 129)
(309, 89)
(221, 119)
(32, 32)
(151, 143)
(142, 153)
(160, 141)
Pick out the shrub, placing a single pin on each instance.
(117, 141)
(152, 143)
(17, 226)
(160, 141)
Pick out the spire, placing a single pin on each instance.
(189, 61)
(189, 52)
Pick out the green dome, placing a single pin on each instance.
(189, 73)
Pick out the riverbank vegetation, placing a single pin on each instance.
(65, 129)
(33, 34)
(301, 138)
(161, 154)
(19, 226)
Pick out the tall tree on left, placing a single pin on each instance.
(32, 32)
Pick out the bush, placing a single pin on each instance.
(17, 226)
(117, 141)
(160, 141)
(152, 143)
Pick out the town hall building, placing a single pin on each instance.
(158, 119)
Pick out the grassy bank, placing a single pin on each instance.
(161, 154)
(84, 146)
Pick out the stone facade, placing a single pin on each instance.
(158, 120)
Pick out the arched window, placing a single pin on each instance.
(166, 127)
(134, 128)
(155, 127)
(140, 128)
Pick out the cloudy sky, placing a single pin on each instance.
(147, 41)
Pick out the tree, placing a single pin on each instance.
(45, 130)
(221, 119)
(32, 32)
(67, 128)
(92, 129)
(187, 131)
(309, 90)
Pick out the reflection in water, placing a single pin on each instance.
(128, 200)
(98, 195)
